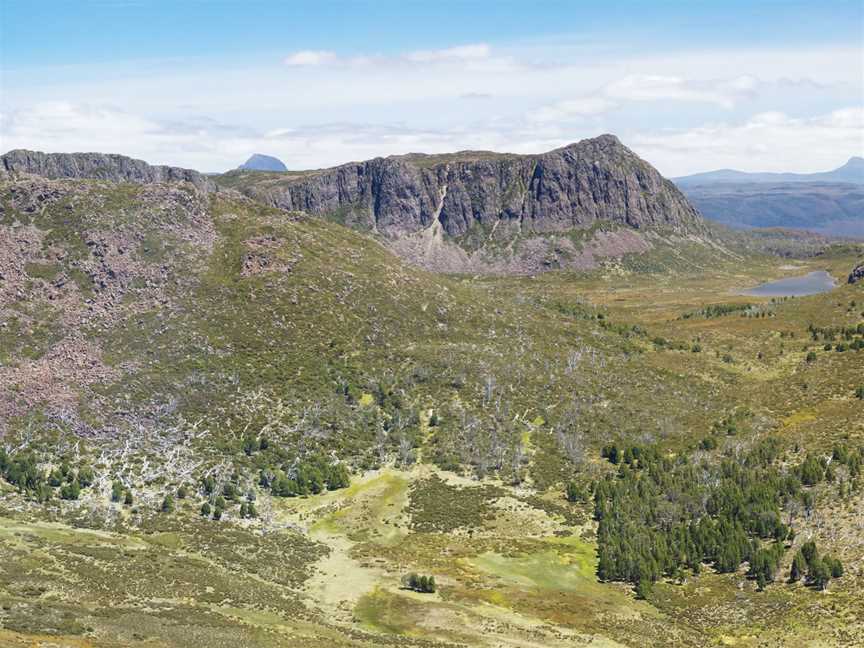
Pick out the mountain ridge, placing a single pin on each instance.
(852, 171)
(828, 203)
(97, 166)
(469, 211)
(484, 211)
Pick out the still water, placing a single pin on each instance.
(809, 284)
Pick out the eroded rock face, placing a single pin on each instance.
(857, 274)
(99, 166)
(573, 187)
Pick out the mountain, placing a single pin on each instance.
(831, 209)
(492, 212)
(852, 172)
(228, 424)
(258, 162)
(829, 203)
(472, 211)
(99, 166)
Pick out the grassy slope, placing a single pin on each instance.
(337, 321)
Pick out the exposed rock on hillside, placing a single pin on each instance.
(571, 187)
(857, 274)
(465, 212)
(486, 211)
(98, 166)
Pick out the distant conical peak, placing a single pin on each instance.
(261, 162)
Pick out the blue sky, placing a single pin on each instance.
(690, 86)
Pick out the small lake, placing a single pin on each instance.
(809, 284)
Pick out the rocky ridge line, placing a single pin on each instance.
(98, 166)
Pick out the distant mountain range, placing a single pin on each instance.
(829, 203)
(259, 162)
(851, 172)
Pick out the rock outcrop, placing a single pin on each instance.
(573, 187)
(857, 274)
(99, 166)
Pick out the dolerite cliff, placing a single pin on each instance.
(473, 211)
(100, 166)
(857, 274)
(480, 211)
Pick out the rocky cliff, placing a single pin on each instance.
(572, 187)
(449, 212)
(465, 212)
(100, 166)
(857, 274)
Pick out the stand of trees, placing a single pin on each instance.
(21, 470)
(309, 477)
(816, 571)
(661, 514)
(424, 584)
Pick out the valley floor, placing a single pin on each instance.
(515, 565)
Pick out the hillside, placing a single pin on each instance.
(137, 306)
(488, 212)
(225, 423)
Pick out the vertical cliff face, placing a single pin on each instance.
(384, 194)
(118, 168)
(481, 211)
(572, 187)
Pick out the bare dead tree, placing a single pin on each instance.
(406, 451)
(488, 388)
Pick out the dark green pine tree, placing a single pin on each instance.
(799, 567)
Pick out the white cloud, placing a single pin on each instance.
(310, 57)
(212, 146)
(525, 98)
(649, 87)
(564, 110)
(460, 53)
(723, 93)
(770, 141)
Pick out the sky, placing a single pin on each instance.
(689, 86)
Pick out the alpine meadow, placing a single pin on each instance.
(321, 326)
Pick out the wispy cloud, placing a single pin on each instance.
(472, 95)
(769, 141)
(457, 54)
(646, 88)
(724, 92)
(460, 53)
(570, 108)
(310, 57)
(765, 141)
